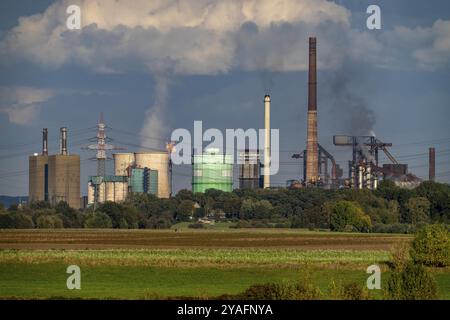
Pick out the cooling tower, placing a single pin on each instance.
(122, 161)
(156, 161)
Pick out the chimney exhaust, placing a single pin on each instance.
(63, 141)
(267, 141)
(312, 165)
(432, 164)
(44, 142)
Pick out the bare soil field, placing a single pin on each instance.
(145, 239)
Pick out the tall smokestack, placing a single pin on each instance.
(45, 142)
(312, 165)
(267, 141)
(432, 164)
(63, 141)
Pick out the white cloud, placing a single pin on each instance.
(193, 37)
(22, 104)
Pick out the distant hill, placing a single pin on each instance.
(7, 200)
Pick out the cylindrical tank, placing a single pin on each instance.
(91, 193)
(121, 163)
(212, 170)
(101, 192)
(158, 161)
(109, 191)
(137, 180)
(120, 191)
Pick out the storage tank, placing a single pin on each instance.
(91, 193)
(121, 163)
(151, 181)
(212, 170)
(159, 161)
(120, 191)
(137, 180)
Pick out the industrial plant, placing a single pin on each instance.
(55, 178)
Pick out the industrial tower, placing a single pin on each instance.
(101, 147)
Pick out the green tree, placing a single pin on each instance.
(185, 210)
(439, 196)
(418, 210)
(6, 221)
(347, 215)
(263, 209)
(247, 209)
(49, 222)
(431, 246)
(413, 282)
(23, 221)
(97, 220)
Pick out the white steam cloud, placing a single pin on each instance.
(210, 37)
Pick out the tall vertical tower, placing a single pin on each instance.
(38, 172)
(64, 175)
(101, 147)
(432, 164)
(267, 141)
(312, 165)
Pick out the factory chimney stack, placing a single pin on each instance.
(267, 141)
(63, 141)
(312, 167)
(44, 142)
(432, 164)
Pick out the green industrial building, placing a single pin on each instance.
(144, 180)
(212, 170)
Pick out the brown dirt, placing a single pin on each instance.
(147, 239)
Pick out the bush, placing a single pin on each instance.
(23, 221)
(348, 291)
(414, 282)
(98, 220)
(348, 216)
(196, 226)
(431, 246)
(49, 222)
(6, 221)
(394, 228)
(280, 291)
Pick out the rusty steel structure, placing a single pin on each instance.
(312, 152)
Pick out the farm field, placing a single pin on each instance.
(153, 264)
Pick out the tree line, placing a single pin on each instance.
(387, 209)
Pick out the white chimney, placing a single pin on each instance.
(267, 141)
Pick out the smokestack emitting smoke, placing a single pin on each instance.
(432, 164)
(44, 142)
(63, 141)
(312, 166)
(267, 141)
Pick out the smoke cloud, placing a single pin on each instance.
(349, 110)
(154, 127)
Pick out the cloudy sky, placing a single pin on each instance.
(153, 66)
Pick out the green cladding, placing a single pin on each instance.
(212, 171)
(144, 180)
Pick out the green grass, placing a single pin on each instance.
(162, 273)
(139, 282)
(220, 258)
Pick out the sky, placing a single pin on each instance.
(154, 66)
